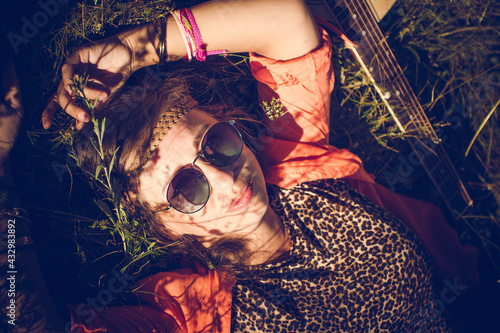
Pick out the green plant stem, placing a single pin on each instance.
(485, 120)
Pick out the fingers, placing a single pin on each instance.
(48, 113)
(64, 100)
(96, 93)
(102, 82)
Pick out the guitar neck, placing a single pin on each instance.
(443, 174)
(359, 24)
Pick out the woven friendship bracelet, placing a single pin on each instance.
(194, 32)
(192, 36)
(176, 16)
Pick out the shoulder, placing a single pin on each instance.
(290, 30)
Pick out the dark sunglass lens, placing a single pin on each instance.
(189, 191)
(222, 144)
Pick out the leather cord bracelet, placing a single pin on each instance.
(161, 31)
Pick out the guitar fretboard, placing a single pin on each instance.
(355, 18)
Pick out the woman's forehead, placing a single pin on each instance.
(184, 137)
(179, 147)
(192, 126)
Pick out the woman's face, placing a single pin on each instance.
(238, 197)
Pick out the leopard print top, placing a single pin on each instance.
(352, 267)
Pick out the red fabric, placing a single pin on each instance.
(191, 301)
(298, 151)
(144, 318)
(199, 301)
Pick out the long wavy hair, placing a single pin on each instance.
(131, 115)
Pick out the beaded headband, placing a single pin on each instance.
(168, 119)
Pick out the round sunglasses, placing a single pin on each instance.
(189, 190)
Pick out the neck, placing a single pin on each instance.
(269, 240)
(265, 242)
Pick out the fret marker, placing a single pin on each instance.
(363, 33)
(354, 16)
(398, 93)
(387, 95)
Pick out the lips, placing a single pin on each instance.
(244, 199)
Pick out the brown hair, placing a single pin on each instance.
(131, 116)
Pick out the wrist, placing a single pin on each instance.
(142, 41)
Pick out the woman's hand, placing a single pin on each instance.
(11, 112)
(278, 29)
(108, 63)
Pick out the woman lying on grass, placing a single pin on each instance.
(301, 223)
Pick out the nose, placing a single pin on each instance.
(221, 179)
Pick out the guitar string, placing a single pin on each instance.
(402, 81)
(373, 44)
(444, 184)
(452, 179)
(407, 117)
(396, 81)
(447, 184)
(376, 42)
(441, 157)
(450, 190)
(375, 55)
(398, 85)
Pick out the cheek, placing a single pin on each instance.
(178, 223)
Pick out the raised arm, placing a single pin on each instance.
(279, 29)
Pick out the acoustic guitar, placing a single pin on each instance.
(357, 19)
